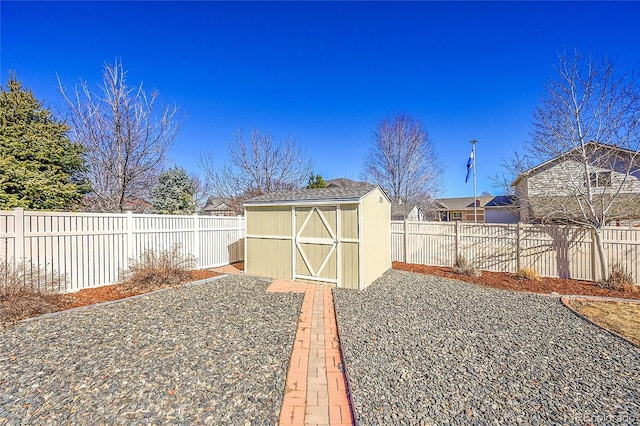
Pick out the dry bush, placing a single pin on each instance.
(464, 267)
(27, 291)
(528, 273)
(619, 280)
(156, 270)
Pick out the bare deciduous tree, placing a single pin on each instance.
(403, 160)
(588, 123)
(125, 136)
(202, 190)
(257, 166)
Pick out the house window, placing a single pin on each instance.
(457, 215)
(600, 179)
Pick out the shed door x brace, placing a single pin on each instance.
(316, 243)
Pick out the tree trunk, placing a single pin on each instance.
(604, 264)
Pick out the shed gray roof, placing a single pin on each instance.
(351, 193)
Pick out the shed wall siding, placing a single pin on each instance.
(349, 221)
(269, 257)
(350, 265)
(376, 219)
(271, 221)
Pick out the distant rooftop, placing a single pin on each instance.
(401, 211)
(463, 203)
(501, 201)
(344, 182)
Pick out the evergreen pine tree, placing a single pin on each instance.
(316, 181)
(38, 162)
(174, 193)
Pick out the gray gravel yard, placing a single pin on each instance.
(428, 350)
(215, 353)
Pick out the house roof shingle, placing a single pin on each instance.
(502, 201)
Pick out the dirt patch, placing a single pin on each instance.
(202, 274)
(505, 280)
(108, 293)
(620, 317)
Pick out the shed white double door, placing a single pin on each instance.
(317, 243)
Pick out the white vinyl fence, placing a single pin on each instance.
(553, 250)
(92, 249)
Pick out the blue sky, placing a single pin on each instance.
(325, 73)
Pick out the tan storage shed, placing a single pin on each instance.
(338, 235)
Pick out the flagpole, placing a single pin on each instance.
(473, 143)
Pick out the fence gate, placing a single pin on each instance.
(316, 243)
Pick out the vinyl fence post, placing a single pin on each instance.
(130, 241)
(457, 242)
(406, 241)
(240, 254)
(18, 223)
(196, 241)
(518, 248)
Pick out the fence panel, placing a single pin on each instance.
(557, 251)
(489, 247)
(221, 240)
(162, 233)
(553, 250)
(91, 249)
(430, 241)
(7, 235)
(87, 249)
(622, 246)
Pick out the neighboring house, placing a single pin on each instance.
(137, 205)
(502, 209)
(556, 190)
(410, 212)
(91, 203)
(217, 207)
(461, 208)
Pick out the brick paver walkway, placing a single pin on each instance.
(315, 392)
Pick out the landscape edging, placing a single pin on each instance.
(566, 299)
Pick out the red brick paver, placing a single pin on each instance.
(315, 390)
